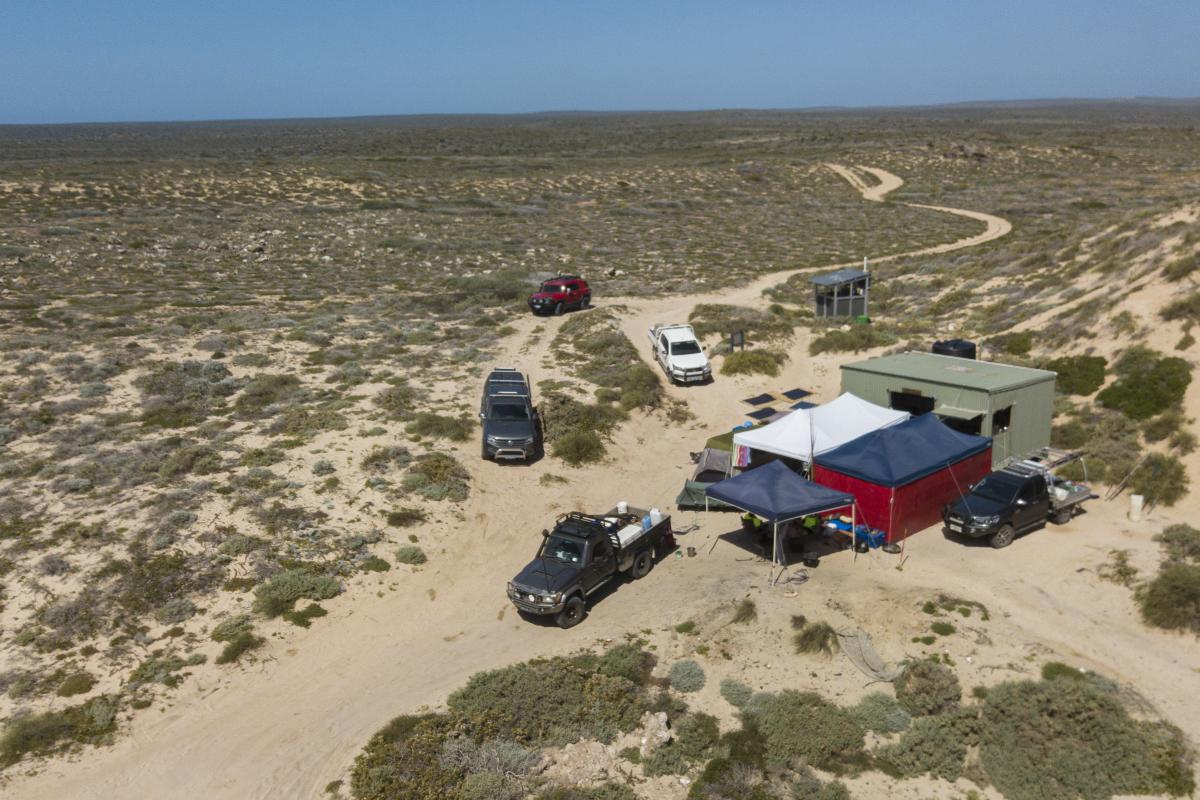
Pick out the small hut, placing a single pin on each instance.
(842, 294)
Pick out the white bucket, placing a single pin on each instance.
(655, 516)
(1136, 502)
(622, 507)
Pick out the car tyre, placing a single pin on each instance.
(1061, 517)
(558, 309)
(484, 453)
(586, 301)
(1003, 537)
(572, 614)
(642, 563)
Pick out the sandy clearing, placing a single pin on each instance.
(287, 725)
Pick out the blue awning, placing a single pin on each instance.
(901, 454)
(777, 494)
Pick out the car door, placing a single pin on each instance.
(601, 564)
(1027, 512)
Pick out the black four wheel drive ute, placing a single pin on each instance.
(510, 420)
(582, 554)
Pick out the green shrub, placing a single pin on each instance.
(1064, 738)
(580, 447)
(438, 476)
(815, 637)
(374, 564)
(404, 760)
(238, 645)
(736, 693)
(381, 459)
(240, 545)
(930, 746)
(859, 337)
(881, 713)
(283, 590)
(263, 391)
(410, 554)
(176, 610)
(695, 739)
(717, 318)
(1171, 599)
(79, 683)
(305, 616)
(753, 362)
(1180, 542)
(1149, 383)
(1164, 425)
(605, 791)
(925, 688)
(397, 402)
(262, 457)
(1161, 479)
(1014, 344)
(1056, 670)
(456, 429)
(745, 611)
(686, 676)
(627, 661)
(1185, 308)
(42, 734)
(805, 725)
(404, 517)
(942, 628)
(1078, 375)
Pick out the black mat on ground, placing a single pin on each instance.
(761, 413)
(802, 404)
(796, 394)
(759, 400)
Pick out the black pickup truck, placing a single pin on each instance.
(1016, 499)
(510, 420)
(582, 554)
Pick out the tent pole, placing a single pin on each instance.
(775, 547)
(854, 531)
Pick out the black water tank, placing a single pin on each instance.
(959, 348)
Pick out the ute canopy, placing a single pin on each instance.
(818, 430)
(776, 494)
(904, 453)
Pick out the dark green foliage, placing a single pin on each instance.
(42, 734)
(1078, 375)
(438, 476)
(859, 337)
(147, 582)
(381, 459)
(263, 391)
(1185, 308)
(305, 616)
(410, 554)
(686, 676)
(606, 791)
(815, 637)
(404, 517)
(736, 693)
(942, 628)
(1164, 425)
(404, 760)
(805, 725)
(1180, 543)
(881, 713)
(695, 740)
(374, 564)
(1111, 440)
(261, 457)
(753, 362)
(303, 423)
(1014, 344)
(745, 611)
(240, 544)
(714, 318)
(1148, 383)
(1056, 670)
(628, 661)
(237, 646)
(927, 688)
(283, 590)
(930, 746)
(1161, 480)
(1180, 268)
(1066, 739)
(177, 395)
(579, 447)
(456, 429)
(605, 357)
(548, 703)
(79, 683)
(1172, 599)
(190, 460)
(397, 402)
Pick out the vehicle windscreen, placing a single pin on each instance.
(563, 548)
(551, 287)
(685, 348)
(997, 488)
(509, 411)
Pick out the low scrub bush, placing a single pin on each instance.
(1171, 599)
(805, 725)
(1067, 738)
(1180, 543)
(815, 637)
(736, 693)
(439, 426)
(1078, 375)
(925, 688)
(745, 611)
(438, 476)
(1185, 308)
(304, 617)
(1148, 383)
(44, 734)
(930, 746)
(686, 676)
(1161, 479)
(859, 337)
(579, 447)
(753, 362)
(758, 325)
(397, 402)
(79, 683)
(283, 590)
(264, 391)
(381, 459)
(881, 713)
(410, 554)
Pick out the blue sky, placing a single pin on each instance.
(65, 60)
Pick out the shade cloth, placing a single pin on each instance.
(819, 429)
(777, 494)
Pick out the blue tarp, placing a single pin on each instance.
(900, 454)
(777, 494)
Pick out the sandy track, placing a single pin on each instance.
(289, 724)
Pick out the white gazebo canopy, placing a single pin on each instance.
(819, 429)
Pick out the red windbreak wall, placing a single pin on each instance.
(904, 510)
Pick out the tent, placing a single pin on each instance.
(776, 494)
(902, 476)
(815, 430)
(711, 466)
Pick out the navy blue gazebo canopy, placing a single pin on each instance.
(777, 494)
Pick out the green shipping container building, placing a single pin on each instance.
(1013, 405)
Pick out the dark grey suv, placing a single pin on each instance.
(510, 421)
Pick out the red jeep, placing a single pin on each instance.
(558, 294)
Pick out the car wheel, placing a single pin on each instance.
(1061, 517)
(1002, 537)
(572, 614)
(483, 448)
(642, 563)
(586, 301)
(558, 309)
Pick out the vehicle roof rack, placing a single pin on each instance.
(1042, 461)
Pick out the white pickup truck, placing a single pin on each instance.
(680, 354)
